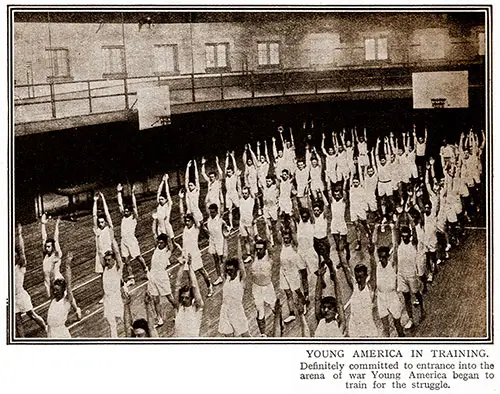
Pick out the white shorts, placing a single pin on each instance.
(159, 284)
(196, 261)
(169, 230)
(130, 247)
(372, 204)
(389, 303)
(357, 213)
(232, 321)
(385, 189)
(331, 177)
(197, 215)
(286, 206)
(317, 186)
(270, 213)
(263, 295)
(246, 230)
(232, 200)
(113, 306)
(409, 284)
(451, 214)
(98, 266)
(363, 160)
(339, 227)
(310, 258)
(58, 332)
(23, 302)
(216, 247)
(290, 280)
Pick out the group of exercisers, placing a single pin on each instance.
(406, 210)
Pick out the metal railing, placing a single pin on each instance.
(61, 99)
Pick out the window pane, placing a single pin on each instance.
(382, 48)
(170, 58)
(221, 55)
(158, 59)
(210, 55)
(114, 60)
(262, 52)
(482, 44)
(274, 53)
(370, 49)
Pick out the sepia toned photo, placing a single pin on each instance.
(250, 174)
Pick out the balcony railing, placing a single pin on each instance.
(37, 102)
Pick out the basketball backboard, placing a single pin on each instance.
(153, 105)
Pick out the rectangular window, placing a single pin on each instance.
(58, 64)
(376, 49)
(482, 44)
(268, 53)
(114, 61)
(165, 59)
(216, 57)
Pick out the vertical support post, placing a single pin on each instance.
(90, 96)
(221, 87)
(283, 83)
(125, 89)
(192, 88)
(53, 99)
(252, 83)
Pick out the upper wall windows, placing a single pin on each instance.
(165, 59)
(376, 48)
(58, 64)
(114, 61)
(268, 53)
(481, 43)
(217, 57)
(433, 43)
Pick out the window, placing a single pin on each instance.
(268, 53)
(114, 61)
(322, 51)
(165, 59)
(482, 43)
(216, 57)
(376, 48)
(58, 64)
(433, 44)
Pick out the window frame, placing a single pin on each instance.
(217, 69)
(115, 75)
(377, 46)
(53, 65)
(175, 60)
(484, 45)
(269, 65)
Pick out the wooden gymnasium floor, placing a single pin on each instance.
(455, 303)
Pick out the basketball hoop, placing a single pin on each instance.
(438, 102)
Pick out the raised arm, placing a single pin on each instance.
(106, 211)
(291, 138)
(266, 151)
(323, 145)
(134, 203)
(235, 166)
(196, 175)
(94, 211)
(160, 189)
(119, 197)
(167, 189)
(280, 129)
(69, 288)
(425, 134)
(377, 153)
(56, 237)
(242, 271)
(20, 247)
(252, 154)
(275, 150)
(221, 174)
(116, 251)
(194, 285)
(186, 176)
(203, 172)
(43, 222)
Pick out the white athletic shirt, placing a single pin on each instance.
(231, 182)
(111, 282)
(56, 318)
(320, 226)
(328, 330)
(285, 190)
(188, 322)
(160, 260)
(342, 162)
(420, 148)
(338, 213)
(362, 148)
(213, 193)
(330, 163)
(361, 322)
(386, 277)
(384, 172)
(262, 171)
(316, 180)
(407, 257)
(370, 183)
(246, 210)
(270, 196)
(127, 227)
(19, 278)
(215, 230)
(251, 175)
(190, 241)
(163, 216)
(357, 197)
(232, 293)
(305, 235)
(192, 200)
(261, 270)
(446, 151)
(302, 178)
(104, 240)
(289, 259)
